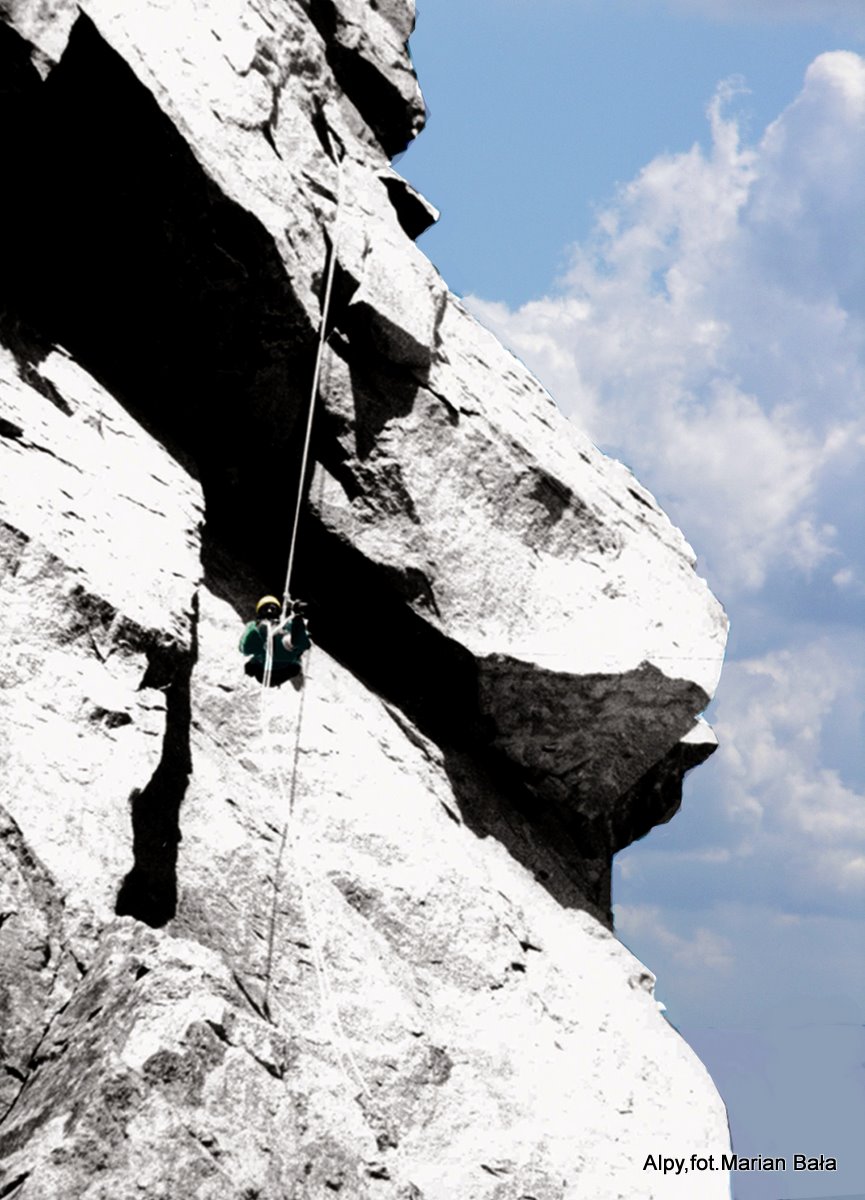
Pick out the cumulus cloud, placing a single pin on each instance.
(711, 332)
(778, 815)
(806, 821)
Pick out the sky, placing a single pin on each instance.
(659, 206)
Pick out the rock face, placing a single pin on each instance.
(350, 937)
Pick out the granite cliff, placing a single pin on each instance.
(354, 937)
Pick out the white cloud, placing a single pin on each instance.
(778, 816)
(796, 813)
(711, 332)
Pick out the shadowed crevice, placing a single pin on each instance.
(149, 891)
(415, 214)
(393, 121)
(13, 1186)
(117, 245)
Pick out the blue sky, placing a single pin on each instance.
(660, 207)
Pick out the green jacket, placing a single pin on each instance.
(254, 641)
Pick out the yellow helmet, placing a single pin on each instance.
(265, 601)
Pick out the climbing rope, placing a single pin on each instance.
(267, 674)
(291, 828)
(330, 1007)
(290, 838)
(319, 354)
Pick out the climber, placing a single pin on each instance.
(289, 638)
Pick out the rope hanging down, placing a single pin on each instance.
(319, 354)
(291, 831)
(290, 840)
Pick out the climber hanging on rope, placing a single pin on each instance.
(287, 635)
(278, 636)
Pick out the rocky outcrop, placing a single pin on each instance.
(350, 937)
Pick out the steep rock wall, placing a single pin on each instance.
(512, 653)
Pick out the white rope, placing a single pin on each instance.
(319, 354)
(346, 1057)
(337, 1035)
(267, 674)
